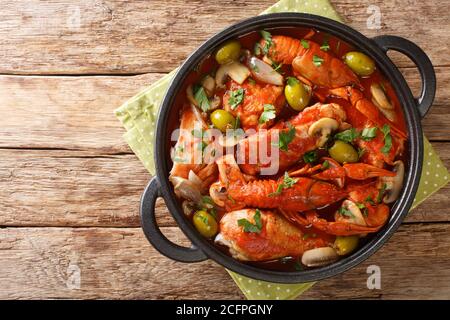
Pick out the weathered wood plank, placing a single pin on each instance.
(73, 188)
(66, 112)
(119, 263)
(77, 112)
(66, 37)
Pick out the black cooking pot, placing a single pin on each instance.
(414, 110)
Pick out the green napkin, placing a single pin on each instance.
(138, 115)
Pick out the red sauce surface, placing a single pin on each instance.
(338, 48)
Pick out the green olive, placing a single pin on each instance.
(360, 63)
(205, 223)
(343, 152)
(228, 52)
(296, 95)
(222, 120)
(345, 245)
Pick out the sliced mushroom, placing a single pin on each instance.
(394, 184)
(235, 70)
(218, 193)
(209, 84)
(319, 257)
(186, 189)
(264, 72)
(380, 99)
(324, 127)
(355, 218)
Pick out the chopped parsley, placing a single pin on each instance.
(325, 46)
(287, 183)
(317, 60)
(361, 152)
(369, 133)
(363, 208)
(291, 81)
(345, 212)
(252, 227)
(310, 157)
(236, 98)
(325, 165)
(268, 113)
(201, 98)
(387, 139)
(370, 200)
(305, 44)
(268, 41)
(347, 135)
(284, 138)
(381, 192)
(277, 67)
(208, 200)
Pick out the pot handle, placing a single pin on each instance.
(421, 61)
(154, 234)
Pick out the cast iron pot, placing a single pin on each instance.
(414, 110)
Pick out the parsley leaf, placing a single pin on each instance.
(347, 135)
(304, 43)
(208, 200)
(345, 212)
(268, 41)
(317, 60)
(287, 183)
(236, 98)
(277, 67)
(325, 46)
(310, 157)
(387, 139)
(370, 200)
(369, 133)
(201, 98)
(291, 81)
(268, 113)
(361, 152)
(250, 227)
(325, 165)
(381, 192)
(284, 138)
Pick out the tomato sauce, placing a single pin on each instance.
(338, 48)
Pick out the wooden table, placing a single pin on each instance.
(70, 185)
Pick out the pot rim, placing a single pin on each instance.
(411, 115)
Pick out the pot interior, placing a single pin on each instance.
(293, 25)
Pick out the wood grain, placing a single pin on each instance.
(119, 263)
(103, 37)
(77, 112)
(69, 188)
